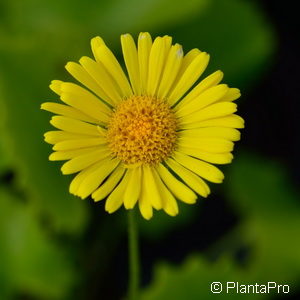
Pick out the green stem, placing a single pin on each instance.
(133, 256)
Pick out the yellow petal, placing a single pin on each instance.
(150, 189)
(231, 121)
(211, 112)
(92, 181)
(67, 111)
(109, 184)
(102, 131)
(215, 158)
(131, 61)
(210, 81)
(83, 99)
(208, 144)
(79, 143)
(216, 132)
(190, 178)
(144, 202)
(79, 102)
(112, 66)
(133, 189)
(187, 60)
(168, 43)
(115, 199)
(169, 203)
(55, 86)
(170, 71)
(231, 95)
(56, 136)
(96, 42)
(177, 188)
(75, 183)
(189, 77)
(81, 162)
(72, 125)
(156, 63)
(100, 75)
(208, 97)
(68, 154)
(80, 74)
(201, 168)
(144, 47)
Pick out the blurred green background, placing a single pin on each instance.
(54, 246)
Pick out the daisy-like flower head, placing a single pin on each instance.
(150, 140)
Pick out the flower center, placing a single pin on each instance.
(142, 129)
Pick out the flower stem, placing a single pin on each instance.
(133, 256)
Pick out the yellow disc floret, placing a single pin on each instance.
(142, 129)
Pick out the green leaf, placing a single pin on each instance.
(133, 16)
(4, 161)
(237, 36)
(108, 18)
(263, 193)
(31, 262)
(24, 88)
(4, 157)
(263, 189)
(192, 280)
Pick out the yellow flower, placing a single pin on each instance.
(151, 139)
